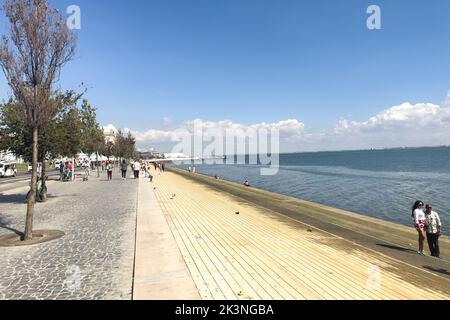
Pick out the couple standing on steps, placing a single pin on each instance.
(428, 225)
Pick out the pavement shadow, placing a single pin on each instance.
(4, 224)
(398, 248)
(442, 271)
(13, 198)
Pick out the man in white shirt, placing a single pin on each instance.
(434, 226)
(137, 169)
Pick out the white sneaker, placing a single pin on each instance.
(421, 253)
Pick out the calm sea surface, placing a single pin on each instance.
(381, 184)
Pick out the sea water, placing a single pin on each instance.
(381, 183)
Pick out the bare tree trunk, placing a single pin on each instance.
(32, 194)
(43, 193)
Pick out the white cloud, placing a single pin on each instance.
(290, 130)
(406, 116)
(403, 125)
(152, 136)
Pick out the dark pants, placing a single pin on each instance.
(109, 175)
(136, 174)
(124, 174)
(433, 243)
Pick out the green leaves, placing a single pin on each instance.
(72, 129)
(124, 145)
(93, 139)
(14, 134)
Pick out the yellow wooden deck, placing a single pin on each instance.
(255, 255)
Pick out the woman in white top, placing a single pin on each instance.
(419, 223)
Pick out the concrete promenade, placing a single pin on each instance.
(94, 260)
(188, 237)
(160, 270)
(236, 249)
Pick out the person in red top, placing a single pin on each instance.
(69, 166)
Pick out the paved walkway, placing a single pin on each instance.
(258, 254)
(160, 270)
(95, 258)
(192, 242)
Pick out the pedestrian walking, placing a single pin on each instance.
(124, 168)
(150, 174)
(109, 169)
(87, 168)
(433, 226)
(61, 171)
(137, 169)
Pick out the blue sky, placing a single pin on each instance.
(253, 61)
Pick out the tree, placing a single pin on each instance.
(119, 144)
(93, 136)
(130, 142)
(52, 137)
(15, 134)
(110, 149)
(32, 55)
(124, 145)
(69, 131)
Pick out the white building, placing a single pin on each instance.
(9, 156)
(175, 155)
(110, 133)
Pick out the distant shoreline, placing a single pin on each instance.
(343, 151)
(373, 149)
(350, 150)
